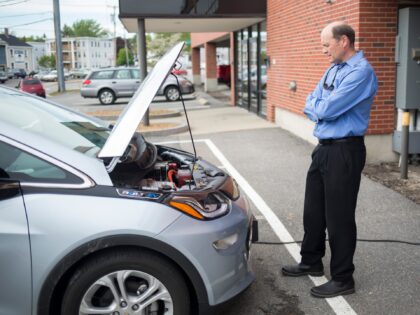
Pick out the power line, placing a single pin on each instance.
(34, 22)
(18, 15)
(5, 1)
(4, 5)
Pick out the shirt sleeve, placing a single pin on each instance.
(311, 101)
(357, 86)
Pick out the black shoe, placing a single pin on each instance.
(333, 288)
(302, 270)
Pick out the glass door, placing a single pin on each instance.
(243, 76)
(253, 77)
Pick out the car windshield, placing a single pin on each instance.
(75, 131)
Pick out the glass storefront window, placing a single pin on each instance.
(251, 68)
(263, 71)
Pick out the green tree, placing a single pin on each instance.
(85, 27)
(159, 43)
(67, 31)
(47, 61)
(121, 58)
(32, 38)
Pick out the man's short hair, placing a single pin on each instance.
(344, 29)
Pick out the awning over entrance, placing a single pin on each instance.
(191, 15)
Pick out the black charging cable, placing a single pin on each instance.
(359, 240)
(188, 123)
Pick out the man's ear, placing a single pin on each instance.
(345, 42)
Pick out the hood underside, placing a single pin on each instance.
(133, 113)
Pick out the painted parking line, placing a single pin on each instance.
(338, 304)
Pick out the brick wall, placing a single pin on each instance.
(295, 50)
(377, 31)
(211, 67)
(199, 39)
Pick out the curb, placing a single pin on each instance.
(203, 101)
(114, 118)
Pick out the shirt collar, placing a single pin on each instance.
(354, 59)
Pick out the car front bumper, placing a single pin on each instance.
(225, 272)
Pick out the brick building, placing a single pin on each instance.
(287, 46)
(276, 57)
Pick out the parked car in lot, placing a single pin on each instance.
(3, 77)
(179, 71)
(10, 74)
(53, 76)
(41, 73)
(50, 77)
(95, 220)
(32, 85)
(19, 73)
(79, 73)
(112, 83)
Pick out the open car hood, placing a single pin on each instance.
(130, 118)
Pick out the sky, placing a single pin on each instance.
(35, 17)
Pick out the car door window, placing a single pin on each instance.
(135, 73)
(103, 75)
(19, 165)
(122, 74)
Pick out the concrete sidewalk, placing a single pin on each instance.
(274, 162)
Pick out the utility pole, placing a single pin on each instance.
(142, 55)
(126, 50)
(58, 46)
(113, 19)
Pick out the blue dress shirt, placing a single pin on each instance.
(340, 104)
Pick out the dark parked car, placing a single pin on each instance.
(19, 73)
(32, 85)
(3, 76)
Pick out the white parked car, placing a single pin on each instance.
(53, 76)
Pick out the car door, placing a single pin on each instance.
(15, 257)
(135, 73)
(122, 83)
(24, 254)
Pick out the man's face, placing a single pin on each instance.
(332, 48)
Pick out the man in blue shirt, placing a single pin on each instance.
(340, 107)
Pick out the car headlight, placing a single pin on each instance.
(212, 206)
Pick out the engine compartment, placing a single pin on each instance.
(149, 167)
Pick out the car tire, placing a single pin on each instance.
(129, 273)
(172, 93)
(106, 97)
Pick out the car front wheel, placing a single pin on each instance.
(126, 282)
(172, 93)
(106, 97)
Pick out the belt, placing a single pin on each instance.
(341, 140)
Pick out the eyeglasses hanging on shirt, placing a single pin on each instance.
(331, 86)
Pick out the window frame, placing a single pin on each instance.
(86, 181)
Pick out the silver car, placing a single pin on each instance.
(3, 76)
(112, 83)
(100, 221)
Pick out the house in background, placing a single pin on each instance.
(3, 62)
(18, 53)
(85, 52)
(38, 50)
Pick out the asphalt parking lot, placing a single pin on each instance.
(270, 165)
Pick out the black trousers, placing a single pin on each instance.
(332, 185)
